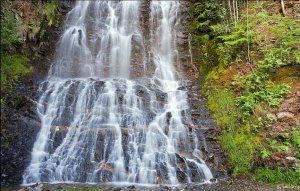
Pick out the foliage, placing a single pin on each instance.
(265, 153)
(51, 12)
(256, 46)
(206, 13)
(12, 68)
(282, 34)
(12, 59)
(239, 36)
(258, 89)
(240, 149)
(11, 31)
(291, 140)
(288, 176)
(295, 140)
(297, 56)
(271, 94)
(223, 105)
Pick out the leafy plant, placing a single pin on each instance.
(258, 89)
(239, 36)
(51, 11)
(206, 14)
(11, 31)
(265, 153)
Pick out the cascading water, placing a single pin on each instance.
(101, 124)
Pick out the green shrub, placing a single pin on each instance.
(51, 12)
(258, 88)
(207, 13)
(11, 31)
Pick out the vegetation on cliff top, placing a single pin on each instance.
(21, 26)
(239, 45)
(23, 34)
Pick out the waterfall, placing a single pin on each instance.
(100, 122)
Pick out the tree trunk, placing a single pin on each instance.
(230, 10)
(282, 7)
(234, 12)
(237, 10)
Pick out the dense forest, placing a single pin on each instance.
(246, 58)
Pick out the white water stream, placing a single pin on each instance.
(100, 124)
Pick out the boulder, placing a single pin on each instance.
(285, 115)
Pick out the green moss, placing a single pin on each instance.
(12, 68)
(288, 176)
(222, 103)
(240, 149)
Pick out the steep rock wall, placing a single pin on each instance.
(19, 121)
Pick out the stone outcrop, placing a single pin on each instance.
(285, 119)
(203, 124)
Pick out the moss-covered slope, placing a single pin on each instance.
(247, 53)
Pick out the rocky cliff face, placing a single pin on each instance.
(204, 125)
(19, 121)
(22, 122)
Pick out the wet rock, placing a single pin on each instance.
(22, 122)
(181, 88)
(182, 35)
(290, 159)
(131, 187)
(36, 187)
(42, 51)
(163, 187)
(181, 176)
(285, 115)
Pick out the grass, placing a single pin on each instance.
(222, 103)
(240, 149)
(289, 176)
